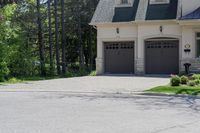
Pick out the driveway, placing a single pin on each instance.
(98, 84)
(61, 112)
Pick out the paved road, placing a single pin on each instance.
(63, 112)
(108, 84)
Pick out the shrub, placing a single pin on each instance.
(14, 80)
(197, 81)
(93, 73)
(175, 80)
(4, 71)
(191, 83)
(76, 73)
(184, 79)
(196, 76)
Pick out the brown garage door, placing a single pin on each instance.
(119, 57)
(162, 56)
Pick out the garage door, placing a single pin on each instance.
(162, 56)
(119, 57)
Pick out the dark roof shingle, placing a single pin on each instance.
(162, 11)
(193, 15)
(125, 14)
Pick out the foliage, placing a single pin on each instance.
(4, 71)
(184, 79)
(196, 76)
(93, 73)
(76, 73)
(14, 81)
(175, 80)
(191, 83)
(19, 49)
(197, 81)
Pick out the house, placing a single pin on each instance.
(147, 36)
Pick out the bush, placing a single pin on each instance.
(4, 71)
(196, 76)
(76, 73)
(175, 80)
(14, 80)
(93, 73)
(191, 83)
(197, 81)
(184, 79)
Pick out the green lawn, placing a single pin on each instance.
(176, 90)
(26, 79)
(37, 78)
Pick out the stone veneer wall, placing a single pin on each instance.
(139, 67)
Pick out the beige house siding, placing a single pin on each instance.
(139, 32)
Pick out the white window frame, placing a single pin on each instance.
(124, 2)
(120, 4)
(154, 2)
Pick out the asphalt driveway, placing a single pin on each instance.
(61, 112)
(102, 104)
(98, 84)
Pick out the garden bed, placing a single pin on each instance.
(189, 85)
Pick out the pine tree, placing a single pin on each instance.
(40, 40)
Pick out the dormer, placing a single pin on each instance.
(123, 3)
(152, 2)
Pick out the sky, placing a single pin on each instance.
(43, 1)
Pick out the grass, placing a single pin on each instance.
(176, 90)
(14, 80)
(25, 79)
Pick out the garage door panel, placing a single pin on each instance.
(119, 57)
(162, 57)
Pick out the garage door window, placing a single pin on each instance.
(198, 44)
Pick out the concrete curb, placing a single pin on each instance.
(107, 94)
(168, 95)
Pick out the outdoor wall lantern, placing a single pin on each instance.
(161, 29)
(117, 30)
(187, 48)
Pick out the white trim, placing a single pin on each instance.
(136, 22)
(196, 39)
(157, 2)
(119, 4)
(161, 39)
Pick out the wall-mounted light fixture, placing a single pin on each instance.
(117, 30)
(161, 29)
(187, 48)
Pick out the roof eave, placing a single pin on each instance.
(189, 22)
(111, 23)
(156, 21)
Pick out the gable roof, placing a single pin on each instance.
(162, 11)
(193, 15)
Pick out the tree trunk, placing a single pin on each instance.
(57, 37)
(90, 39)
(63, 37)
(81, 53)
(40, 40)
(50, 39)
